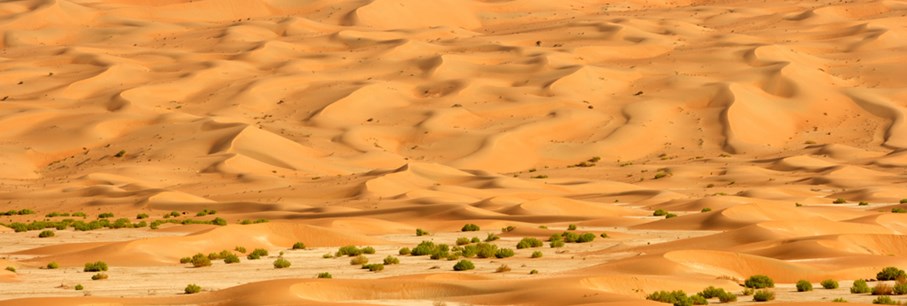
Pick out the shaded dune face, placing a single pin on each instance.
(772, 132)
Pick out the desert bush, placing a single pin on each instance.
(529, 243)
(571, 227)
(863, 203)
(804, 285)
(882, 289)
(257, 254)
(391, 260)
(368, 250)
(192, 289)
(462, 241)
(604, 235)
(11, 269)
(45, 234)
(677, 297)
(469, 227)
(214, 256)
(349, 250)
(759, 282)
(502, 268)
(839, 300)
(698, 300)
(240, 249)
(141, 216)
(79, 287)
(327, 255)
(374, 267)
(53, 265)
(900, 288)
(486, 250)
(839, 201)
(884, 300)
(424, 248)
(659, 213)
(829, 284)
(79, 214)
(508, 228)
(420, 232)
(97, 266)
(670, 215)
(859, 286)
(185, 260)
(587, 237)
(200, 260)
(763, 295)
(705, 210)
(404, 251)
(711, 292)
(557, 243)
(231, 258)
(475, 240)
(890, 273)
(503, 253)
(469, 250)
(898, 210)
(325, 275)
(359, 260)
(99, 276)
(727, 297)
(281, 263)
(219, 221)
(463, 265)
(534, 271)
(105, 215)
(537, 254)
(491, 237)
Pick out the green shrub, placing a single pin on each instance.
(529, 243)
(557, 243)
(711, 292)
(462, 241)
(200, 260)
(141, 216)
(359, 260)
(570, 237)
(587, 237)
(214, 256)
(508, 228)
(463, 265)
(99, 276)
(391, 260)
(859, 286)
(839, 300)
(727, 297)
(890, 273)
(404, 251)
(475, 240)
(829, 284)
(698, 300)
(677, 297)
(882, 289)
(898, 210)
(706, 209)
(53, 265)
(491, 237)
(571, 227)
(534, 271)
(670, 215)
(257, 254)
(95, 266)
(420, 232)
(374, 267)
(660, 212)
(219, 221)
(604, 235)
(79, 214)
(900, 288)
(469, 228)
(193, 288)
(537, 254)
(185, 260)
(804, 285)
(325, 275)
(763, 295)
(45, 234)
(105, 215)
(884, 300)
(327, 255)
(349, 250)
(486, 250)
(79, 287)
(503, 253)
(368, 250)
(231, 258)
(759, 282)
(11, 269)
(240, 249)
(424, 248)
(281, 263)
(863, 203)
(839, 201)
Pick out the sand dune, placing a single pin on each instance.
(771, 135)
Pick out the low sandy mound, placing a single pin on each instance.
(168, 250)
(414, 14)
(803, 163)
(733, 217)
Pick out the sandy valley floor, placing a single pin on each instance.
(355, 122)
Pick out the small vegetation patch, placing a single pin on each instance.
(882, 289)
(374, 267)
(502, 268)
(257, 254)
(677, 297)
(325, 275)
(349, 250)
(469, 228)
(759, 282)
(885, 300)
(79, 287)
(763, 295)
(368, 250)
(660, 212)
(53, 265)
(391, 260)
(46, 234)
(11, 269)
(860, 286)
(97, 266)
(359, 260)
(804, 285)
(231, 259)
(829, 284)
(420, 232)
(537, 254)
(99, 276)
(464, 265)
(200, 260)
(404, 251)
(281, 263)
(839, 201)
(529, 243)
(193, 289)
(890, 273)
(503, 253)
